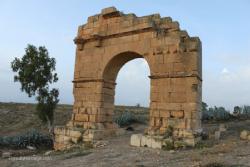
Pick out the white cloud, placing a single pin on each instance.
(225, 71)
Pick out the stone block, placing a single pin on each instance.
(6, 154)
(96, 134)
(164, 113)
(217, 135)
(82, 117)
(177, 114)
(75, 140)
(222, 128)
(148, 141)
(63, 139)
(192, 141)
(155, 113)
(59, 146)
(165, 122)
(59, 130)
(135, 140)
(188, 134)
(244, 134)
(75, 133)
(178, 97)
(156, 143)
(177, 123)
(144, 141)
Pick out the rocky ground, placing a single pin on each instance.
(228, 151)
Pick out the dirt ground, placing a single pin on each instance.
(17, 118)
(230, 151)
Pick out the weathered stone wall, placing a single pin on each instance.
(109, 40)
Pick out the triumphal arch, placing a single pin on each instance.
(103, 45)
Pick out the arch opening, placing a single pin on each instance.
(116, 63)
(133, 84)
(115, 87)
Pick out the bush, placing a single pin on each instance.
(30, 138)
(215, 113)
(127, 118)
(246, 111)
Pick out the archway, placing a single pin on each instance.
(133, 84)
(109, 40)
(110, 73)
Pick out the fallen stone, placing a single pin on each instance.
(248, 137)
(149, 141)
(171, 151)
(244, 134)
(6, 154)
(99, 144)
(192, 142)
(135, 140)
(222, 128)
(156, 143)
(48, 152)
(144, 142)
(4, 111)
(217, 135)
(31, 148)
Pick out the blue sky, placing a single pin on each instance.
(223, 27)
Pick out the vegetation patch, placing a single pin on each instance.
(168, 145)
(29, 138)
(127, 118)
(203, 144)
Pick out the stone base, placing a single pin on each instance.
(160, 142)
(67, 137)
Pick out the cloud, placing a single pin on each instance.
(225, 71)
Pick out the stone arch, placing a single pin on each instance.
(114, 65)
(104, 44)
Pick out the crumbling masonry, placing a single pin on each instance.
(111, 39)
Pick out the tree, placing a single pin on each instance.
(36, 71)
(246, 110)
(237, 110)
(204, 107)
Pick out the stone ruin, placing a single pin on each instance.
(104, 44)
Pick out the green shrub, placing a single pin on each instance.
(169, 132)
(216, 113)
(246, 111)
(168, 145)
(30, 138)
(127, 118)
